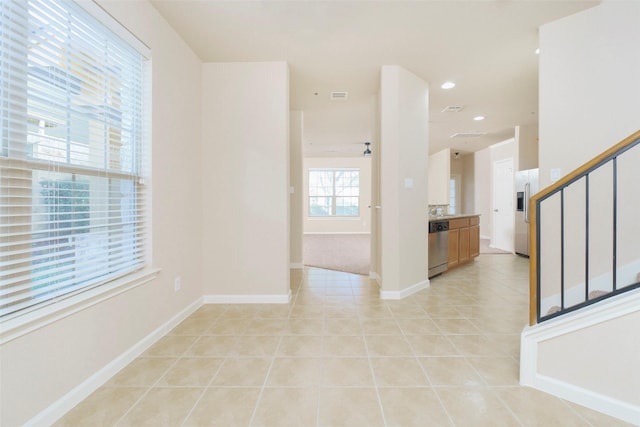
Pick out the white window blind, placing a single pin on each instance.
(72, 155)
(334, 192)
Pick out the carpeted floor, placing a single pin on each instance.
(342, 252)
(351, 252)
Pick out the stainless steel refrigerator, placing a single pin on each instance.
(526, 186)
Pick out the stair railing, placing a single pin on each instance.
(561, 229)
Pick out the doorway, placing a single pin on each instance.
(503, 214)
(337, 216)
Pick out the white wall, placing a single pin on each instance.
(482, 191)
(403, 160)
(589, 85)
(583, 74)
(607, 374)
(340, 129)
(41, 367)
(468, 185)
(589, 91)
(360, 224)
(245, 180)
(526, 148)
(296, 184)
(588, 357)
(439, 173)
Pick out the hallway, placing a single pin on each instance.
(337, 355)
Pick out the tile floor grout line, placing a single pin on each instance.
(264, 383)
(324, 322)
(149, 388)
(376, 314)
(511, 411)
(572, 409)
(373, 376)
(213, 377)
(442, 405)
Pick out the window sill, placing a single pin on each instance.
(334, 218)
(22, 324)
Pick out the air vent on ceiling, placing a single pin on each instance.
(467, 134)
(338, 96)
(452, 109)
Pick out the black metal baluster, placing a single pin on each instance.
(586, 239)
(538, 259)
(615, 290)
(562, 249)
(615, 223)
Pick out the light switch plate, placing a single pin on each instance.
(408, 183)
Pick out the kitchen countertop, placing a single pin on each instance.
(443, 217)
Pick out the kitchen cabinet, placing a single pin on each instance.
(464, 240)
(454, 239)
(463, 246)
(474, 236)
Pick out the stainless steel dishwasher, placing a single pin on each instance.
(438, 246)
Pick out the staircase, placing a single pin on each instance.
(585, 285)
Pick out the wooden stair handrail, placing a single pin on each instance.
(533, 214)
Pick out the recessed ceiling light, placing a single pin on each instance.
(448, 85)
(478, 118)
(538, 51)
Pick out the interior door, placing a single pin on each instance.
(503, 214)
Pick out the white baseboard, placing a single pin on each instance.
(63, 405)
(396, 295)
(614, 307)
(248, 299)
(588, 398)
(373, 275)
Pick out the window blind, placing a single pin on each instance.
(73, 198)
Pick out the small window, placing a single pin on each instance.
(334, 192)
(454, 194)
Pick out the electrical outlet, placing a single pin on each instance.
(177, 283)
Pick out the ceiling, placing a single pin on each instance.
(486, 47)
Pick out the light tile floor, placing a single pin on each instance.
(337, 355)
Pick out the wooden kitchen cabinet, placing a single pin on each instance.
(463, 246)
(454, 238)
(474, 236)
(464, 240)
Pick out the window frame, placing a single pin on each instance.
(454, 193)
(17, 323)
(333, 197)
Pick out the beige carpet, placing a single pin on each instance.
(341, 252)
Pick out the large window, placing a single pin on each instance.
(334, 192)
(72, 157)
